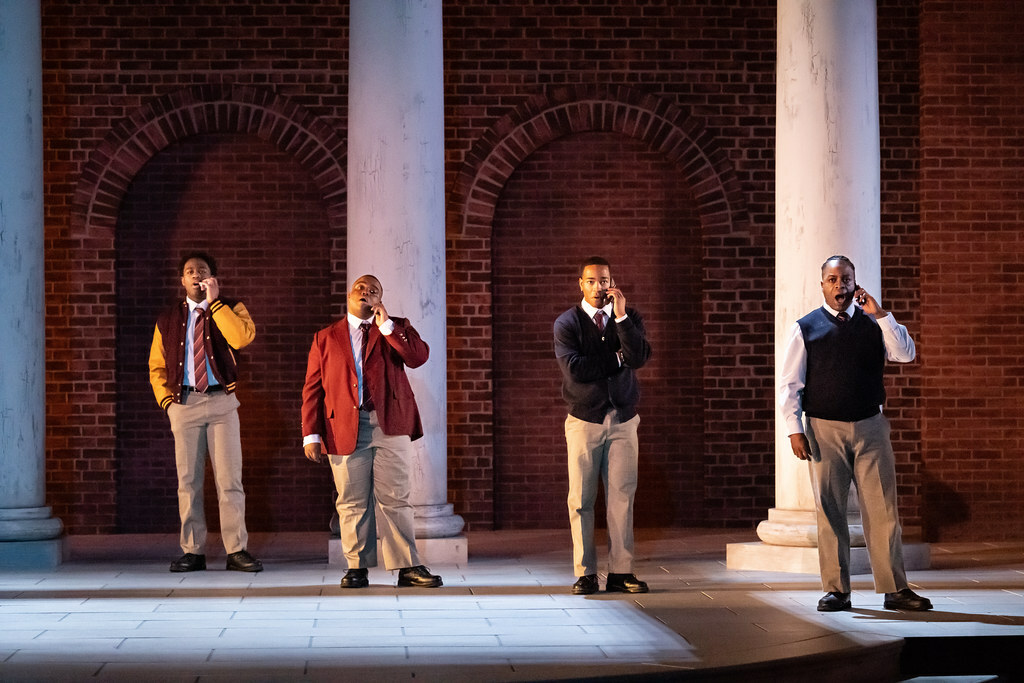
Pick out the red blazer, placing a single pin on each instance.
(330, 406)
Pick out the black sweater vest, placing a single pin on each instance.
(845, 363)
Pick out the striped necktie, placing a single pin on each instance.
(367, 401)
(600, 320)
(201, 381)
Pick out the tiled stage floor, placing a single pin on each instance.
(114, 613)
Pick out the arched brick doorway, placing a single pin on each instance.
(209, 167)
(710, 224)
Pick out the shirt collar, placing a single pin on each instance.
(591, 311)
(192, 305)
(354, 321)
(849, 311)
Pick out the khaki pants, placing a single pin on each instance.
(860, 452)
(605, 452)
(373, 485)
(209, 422)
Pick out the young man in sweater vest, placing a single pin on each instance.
(830, 394)
(599, 345)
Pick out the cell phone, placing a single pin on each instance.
(607, 297)
(860, 299)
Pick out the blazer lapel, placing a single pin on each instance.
(371, 340)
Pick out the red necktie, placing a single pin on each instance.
(599, 320)
(199, 352)
(843, 317)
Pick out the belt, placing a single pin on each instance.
(216, 388)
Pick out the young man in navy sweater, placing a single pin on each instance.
(599, 345)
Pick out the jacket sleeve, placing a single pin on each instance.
(636, 350)
(580, 367)
(234, 323)
(313, 393)
(158, 371)
(406, 342)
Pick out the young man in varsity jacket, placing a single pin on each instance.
(830, 394)
(193, 371)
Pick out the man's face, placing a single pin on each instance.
(365, 293)
(838, 282)
(195, 271)
(594, 282)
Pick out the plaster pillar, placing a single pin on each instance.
(396, 211)
(827, 201)
(30, 537)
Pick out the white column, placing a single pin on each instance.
(827, 197)
(30, 537)
(396, 207)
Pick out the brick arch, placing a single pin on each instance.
(664, 127)
(86, 326)
(207, 109)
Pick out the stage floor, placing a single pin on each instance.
(113, 612)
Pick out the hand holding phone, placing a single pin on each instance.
(608, 298)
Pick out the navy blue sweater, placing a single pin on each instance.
(593, 383)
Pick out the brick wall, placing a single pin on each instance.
(899, 101)
(199, 194)
(596, 193)
(676, 98)
(972, 80)
(121, 84)
(508, 64)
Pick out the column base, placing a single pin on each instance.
(45, 554)
(758, 556)
(437, 521)
(440, 551)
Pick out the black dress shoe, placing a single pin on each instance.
(417, 577)
(242, 561)
(355, 578)
(834, 602)
(585, 585)
(907, 599)
(189, 562)
(625, 583)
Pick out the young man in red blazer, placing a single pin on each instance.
(358, 408)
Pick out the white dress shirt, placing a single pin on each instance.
(899, 348)
(190, 332)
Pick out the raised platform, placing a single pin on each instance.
(431, 550)
(760, 556)
(112, 612)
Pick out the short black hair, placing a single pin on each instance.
(199, 255)
(593, 261)
(841, 259)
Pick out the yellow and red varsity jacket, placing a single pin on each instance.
(232, 329)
